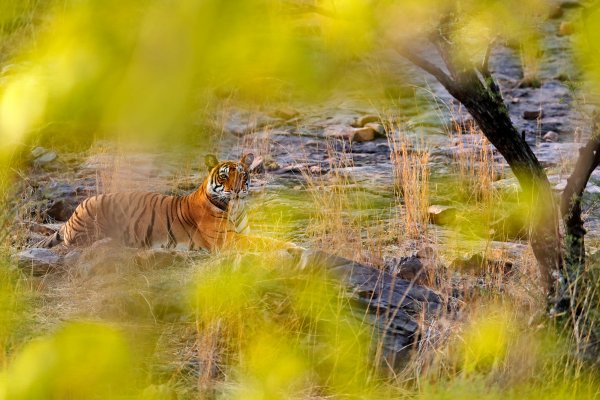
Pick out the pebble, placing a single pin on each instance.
(551, 136)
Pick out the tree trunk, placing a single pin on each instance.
(476, 89)
(588, 160)
(490, 113)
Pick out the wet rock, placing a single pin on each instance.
(441, 215)
(38, 261)
(551, 136)
(531, 115)
(566, 28)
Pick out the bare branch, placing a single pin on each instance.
(485, 70)
(588, 160)
(427, 66)
(443, 46)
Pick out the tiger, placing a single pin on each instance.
(210, 218)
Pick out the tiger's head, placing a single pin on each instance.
(228, 180)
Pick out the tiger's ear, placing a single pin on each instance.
(247, 159)
(211, 161)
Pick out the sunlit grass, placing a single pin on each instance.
(138, 72)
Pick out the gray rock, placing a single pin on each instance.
(392, 305)
(38, 261)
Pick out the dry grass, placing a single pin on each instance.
(265, 314)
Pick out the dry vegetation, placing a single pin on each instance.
(251, 326)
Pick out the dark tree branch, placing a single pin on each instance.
(483, 100)
(443, 45)
(426, 66)
(588, 160)
(485, 64)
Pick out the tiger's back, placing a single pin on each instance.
(201, 219)
(141, 219)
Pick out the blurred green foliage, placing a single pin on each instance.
(139, 71)
(80, 361)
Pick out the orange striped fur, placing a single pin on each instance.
(208, 218)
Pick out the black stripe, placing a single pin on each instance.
(179, 211)
(171, 241)
(189, 213)
(139, 218)
(148, 239)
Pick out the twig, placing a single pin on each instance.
(427, 66)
